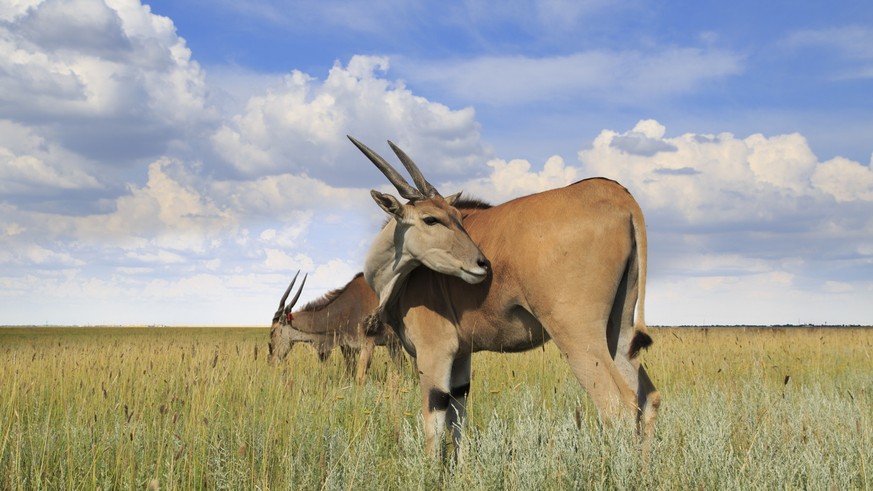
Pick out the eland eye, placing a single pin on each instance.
(430, 220)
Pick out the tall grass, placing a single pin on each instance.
(192, 408)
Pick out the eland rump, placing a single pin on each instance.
(343, 317)
(567, 264)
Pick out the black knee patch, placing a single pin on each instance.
(461, 391)
(438, 400)
(640, 341)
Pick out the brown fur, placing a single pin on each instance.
(341, 318)
(567, 264)
(329, 297)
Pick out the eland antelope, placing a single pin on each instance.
(567, 265)
(342, 317)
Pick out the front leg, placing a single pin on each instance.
(460, 387)
(350, 356)
(434, 370)
(364, 359)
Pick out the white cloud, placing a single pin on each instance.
(169, 211)
(11, 9)
(159, 257)
(30, 164)
(289, 236)
(23, 173)
(838, 287)
(41, 256)
(102, 79)
(784, 161)
(335, 272)
(112, 191)
(746, 220)
(722, 178)
(12, 229)
(753, 299)
(278, 260)
(845, 180)
(301, 126)
(711, 265)
(620, 77)
(515, 178)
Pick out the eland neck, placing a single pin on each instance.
(388, 264)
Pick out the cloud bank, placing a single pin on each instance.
(137, 188)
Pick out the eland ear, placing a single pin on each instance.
(451, 199)
(388, 203)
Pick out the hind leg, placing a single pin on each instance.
(584, 345)
(625, 343)
(648, 398)
(649, 401)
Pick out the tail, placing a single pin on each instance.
(641, 338)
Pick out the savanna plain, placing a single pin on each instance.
(200, 408)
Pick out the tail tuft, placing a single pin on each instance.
(640, 341)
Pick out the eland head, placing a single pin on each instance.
(280, 335)
(426, 230)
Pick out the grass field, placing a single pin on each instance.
(198, 408)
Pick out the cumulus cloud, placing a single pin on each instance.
(169, 211)
(107, 80)
(845, 179)
(279, 260)
(29, 173)
(743, 214)
(645, 140)
(31, 163)
(111, 152)
(516, 178)
(301, 126)
(42, 256)
(170, 240)
(715, 177)
(739, 228)
(212, 191)
(778, 166)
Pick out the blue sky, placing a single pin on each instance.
(176, 162)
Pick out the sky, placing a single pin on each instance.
(176, 162)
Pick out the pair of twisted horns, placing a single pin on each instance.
(425, 189)
(282, 307)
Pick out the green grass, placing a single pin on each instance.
(199, 408)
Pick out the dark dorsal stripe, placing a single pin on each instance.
(470, 203)
(462, 203)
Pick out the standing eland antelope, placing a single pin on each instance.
(567, 264)
(342, 317)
